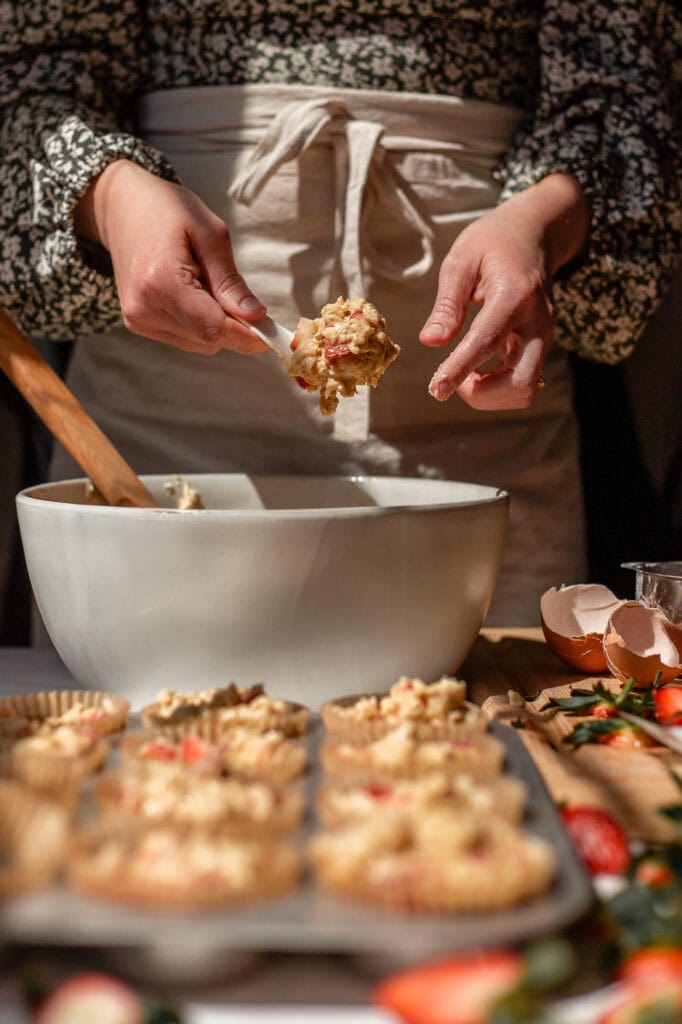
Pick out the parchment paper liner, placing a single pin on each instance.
(277, 869)
(520, 867)
(286, 815)
(33, 839)
(37, 707)
(289, 763)
(56, 775)
(213, 724)
(508, 797)
(338, 722)
(481, 756)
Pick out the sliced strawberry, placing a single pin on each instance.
(600, 841)
(91, 998)
(457, 990)
(302, 383)
(356, 314)
(159, 750)
(336, 350)
(668, 704)
(603, 711)
(627, 737)
(295, 342)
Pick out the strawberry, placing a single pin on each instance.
(302, 383)
(332, 351)
(377, 790)
(192, 750)
(456, 990)
(652, 966)
(91, 998)
(653, 873)
(159, 750)
(668, 704)
(627, 736)
(598, 838)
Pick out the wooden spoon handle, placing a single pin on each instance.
(45, 391)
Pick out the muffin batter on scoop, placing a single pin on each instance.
(345, 346)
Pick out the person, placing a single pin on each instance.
(488, 174)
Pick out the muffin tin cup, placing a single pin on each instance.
(46, 704)
(340, 723)
(33, 839)
(481, 757)
(276, 871)
(215, 724)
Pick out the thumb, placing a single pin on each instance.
(220, 274)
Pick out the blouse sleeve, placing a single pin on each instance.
(68, 73)
(605, 114)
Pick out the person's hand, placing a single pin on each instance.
(505, 263)
(175, 272)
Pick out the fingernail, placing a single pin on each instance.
(432, 330)
(250, 304)
(440, 389)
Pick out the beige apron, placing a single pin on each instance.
(332, 192)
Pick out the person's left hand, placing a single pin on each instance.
(504, 263)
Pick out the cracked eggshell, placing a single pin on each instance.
(639, 642)
(574, 620)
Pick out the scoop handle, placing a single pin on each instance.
(66, 418)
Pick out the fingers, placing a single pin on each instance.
(168, 303)
(482, 341)
(456, 282)
(511, 385)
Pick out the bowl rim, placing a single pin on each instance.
(496, 496)
(670, 570)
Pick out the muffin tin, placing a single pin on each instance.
(309, 920)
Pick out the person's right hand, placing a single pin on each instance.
(173, 263)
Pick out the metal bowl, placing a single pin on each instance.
(659, 585)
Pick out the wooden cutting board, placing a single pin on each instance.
(631, 784)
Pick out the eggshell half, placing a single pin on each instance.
(574, 620)
(640, 642)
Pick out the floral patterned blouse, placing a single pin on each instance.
(594, 77)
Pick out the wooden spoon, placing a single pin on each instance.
(59, 410)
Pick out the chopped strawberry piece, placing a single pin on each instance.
(668, 704)
(192, 750)
(159, 750)
(377, 791)
(456, 990)
(302, 383)
(600, 841)
(336, 350)
(295, 342)
(91, 998)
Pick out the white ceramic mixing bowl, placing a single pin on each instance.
(315, 586)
